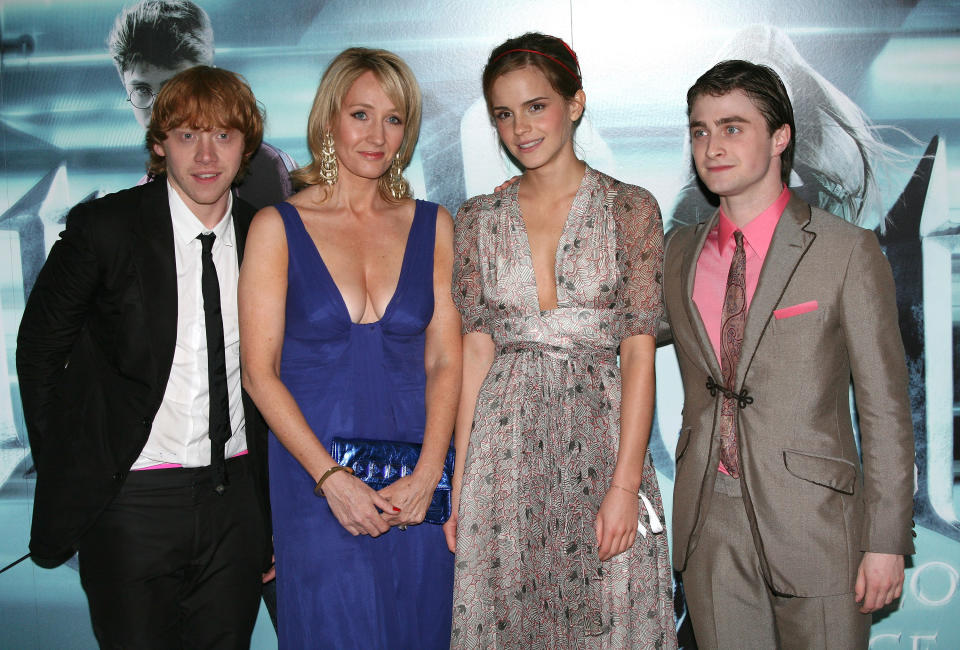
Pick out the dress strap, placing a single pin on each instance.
(424, 225)
(297, 235)
(421, 240)
(290, 215)
(306, 265)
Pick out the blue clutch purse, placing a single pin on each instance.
(378, 463)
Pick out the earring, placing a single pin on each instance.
(328, 160)
(396, 182)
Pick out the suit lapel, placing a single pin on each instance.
(242, 215)
(156, 260)
(790, 241)
(689, 270)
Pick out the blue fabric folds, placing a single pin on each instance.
(355, 380)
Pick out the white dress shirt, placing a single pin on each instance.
(180, 432)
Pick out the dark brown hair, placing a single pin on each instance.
(549, 54)
(161, 33)
(763, 86)
(203, 97)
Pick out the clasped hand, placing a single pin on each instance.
(364, 511)
(412, 494)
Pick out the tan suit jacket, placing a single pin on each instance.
(813, 507)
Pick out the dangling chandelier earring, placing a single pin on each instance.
(328, 160)
(396, 182)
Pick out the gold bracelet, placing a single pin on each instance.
(623, 488)
(318, 490)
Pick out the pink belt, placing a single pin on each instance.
(178, 465)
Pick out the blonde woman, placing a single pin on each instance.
(348, 330)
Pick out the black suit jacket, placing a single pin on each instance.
(94, 352)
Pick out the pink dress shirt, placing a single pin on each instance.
(713, 265)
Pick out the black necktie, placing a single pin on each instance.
(220, 430)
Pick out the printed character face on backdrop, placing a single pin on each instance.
(368, 130)
(534, 121)
(734, 153)
(142, 82)
(201, 166)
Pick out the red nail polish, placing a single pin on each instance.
(396, 509)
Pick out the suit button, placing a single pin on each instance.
(118, 476)
(145, 422)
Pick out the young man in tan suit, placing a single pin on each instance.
(787, 533)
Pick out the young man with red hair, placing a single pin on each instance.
(148, 453)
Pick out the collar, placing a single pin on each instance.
(758, 233)
(186, 226)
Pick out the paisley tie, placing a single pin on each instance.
(731, 341)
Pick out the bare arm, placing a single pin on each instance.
(637, 355)
(616, 524)
(478, 346)
(478, 353)
(639, 308)
(442, 363)
(262, 304)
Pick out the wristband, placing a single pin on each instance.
(318, 490)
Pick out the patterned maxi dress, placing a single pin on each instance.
(546, 428)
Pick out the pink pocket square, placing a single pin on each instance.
(796, 310)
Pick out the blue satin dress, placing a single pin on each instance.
(367, 380)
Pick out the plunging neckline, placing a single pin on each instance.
(332, 285)
(518, 215)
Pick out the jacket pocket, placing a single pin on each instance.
(835, 473)
(795, 310)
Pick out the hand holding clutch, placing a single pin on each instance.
(412, 495)
(355, 505)
(380, 463)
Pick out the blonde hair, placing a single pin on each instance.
(398, 84)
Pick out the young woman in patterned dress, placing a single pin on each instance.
(552, 275)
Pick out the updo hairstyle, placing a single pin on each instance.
(548, 54)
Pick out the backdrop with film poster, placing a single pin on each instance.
(875, 87)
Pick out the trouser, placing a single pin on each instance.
(731, 605)
(172, 564)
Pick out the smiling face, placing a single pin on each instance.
(735, 154)
(143, 82)
(368, 130)
(534, 121)
(201, 166)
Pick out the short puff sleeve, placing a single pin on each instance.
(639, 303)
(467, 277)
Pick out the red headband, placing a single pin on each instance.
(554, 59)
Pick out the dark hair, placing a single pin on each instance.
(204, 97)
(549, 54)
(762, 85)
(161, 33)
